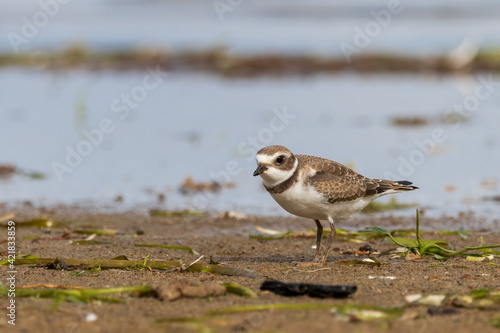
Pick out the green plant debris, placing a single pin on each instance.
(490, 55)
(27, 256)
(202, 325)
(342, 309)
(36, 223)
(463, 234)
(173, 213)
(280, 235)
(278, 306)
(33, 237)
(30, 174)
(212, 320)
(99, 232)
(486, 298)
(439, 257)
(408, 242)
(95, 272)
(131, 264)
(429, 247)
(234, 288)
(80, 114)
(495, 321)
(378, 207)
(343, 234)
(90, 242)
(170, 247)
(358, 236)
(366, 312)
(475, 258)
(75, 295)
(145, 262)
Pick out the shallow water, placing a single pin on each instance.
(312, 27)
(207, 127)
(195, 124)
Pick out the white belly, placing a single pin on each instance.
(305, 201)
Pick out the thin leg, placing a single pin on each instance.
(319, 235)
(331, 237)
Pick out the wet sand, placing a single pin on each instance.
(227, 242)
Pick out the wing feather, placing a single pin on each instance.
(338, 183)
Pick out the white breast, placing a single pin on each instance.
(303, 200)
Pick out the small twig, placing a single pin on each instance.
(183, 267)
(191, 264)
(9, 216)
(315, 270)
(90, 237)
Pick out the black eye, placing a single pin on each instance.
(280, 159)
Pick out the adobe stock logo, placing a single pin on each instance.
(223, 6)
(31, 26)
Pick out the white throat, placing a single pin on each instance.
(274, 176)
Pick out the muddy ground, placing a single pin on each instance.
(227, 241)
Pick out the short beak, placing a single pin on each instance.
(260, 169)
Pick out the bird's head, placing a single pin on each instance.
(275, 164)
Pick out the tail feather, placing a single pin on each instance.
(406, 185)
(379, 186)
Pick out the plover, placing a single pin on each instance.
(319, 189)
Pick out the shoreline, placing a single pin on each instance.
(221, 62)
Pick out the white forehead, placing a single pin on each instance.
(268, 159)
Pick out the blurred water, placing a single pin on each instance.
(204, 126)
(287, 26)
(194, 124)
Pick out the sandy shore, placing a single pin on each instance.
(227, 242)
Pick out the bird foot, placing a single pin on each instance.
(323, 259)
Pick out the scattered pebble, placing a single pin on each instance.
(192, 289)
(367, 248)
(434, 300)
(89, 317)
(232, 214)
(437, 311)
(412, 256)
